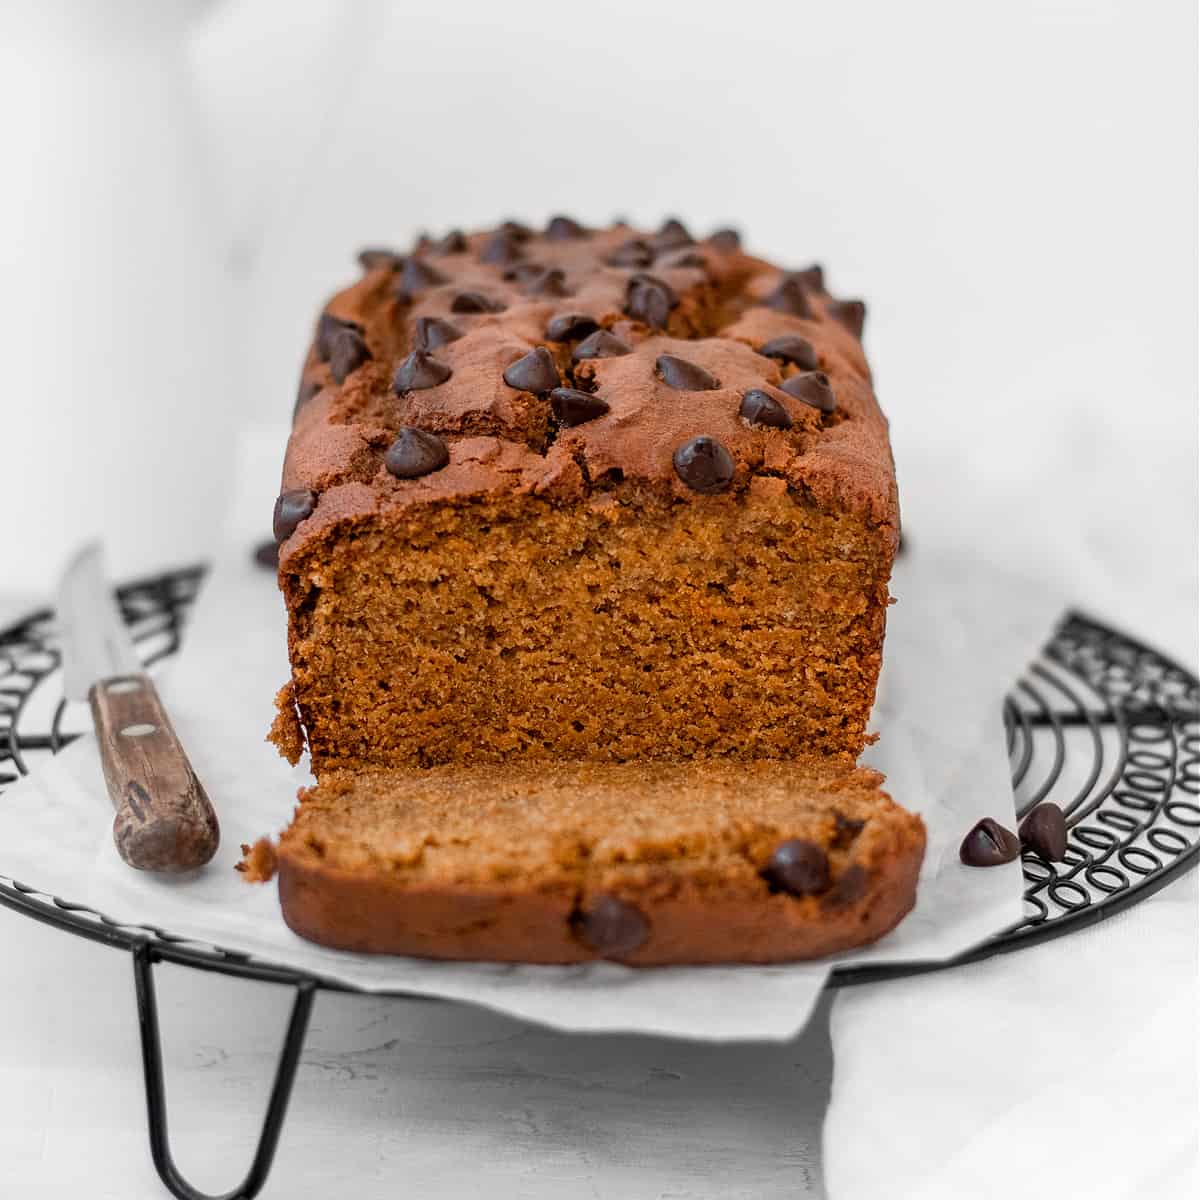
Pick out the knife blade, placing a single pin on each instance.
(164, 820)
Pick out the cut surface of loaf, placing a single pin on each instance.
(565, 862)
(583, 494)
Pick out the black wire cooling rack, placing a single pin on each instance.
(1101, 724)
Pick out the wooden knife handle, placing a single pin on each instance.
(164, 820)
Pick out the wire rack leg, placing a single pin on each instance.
(156, 1097)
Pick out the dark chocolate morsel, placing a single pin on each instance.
(566, 327)
(760, 408)
(266, 554)
(633, 253)
(455, 242)
(790, 297)
(474, 302)
(500, 248)
(533, 372)
(686, 376)
(562, 229)
(813, 388)
(307, 390)
(417, 276)
(704, 465)
(415, 452)
(290, 509)
(612, 928)
(601, 344)
(798, 867)
(550, 282)
(432, 332)
(791, 347)
(376, 256)
(1044, 831)
(523, 272)
(813, 278)
(726, 240)
(848, 888)
(573, 407)
(649, 299)
(851, 313)
(845, 830)
(348, 351)
(418, 372)
(672, 233)
(327, 327)
(516, 231)
(988, 845)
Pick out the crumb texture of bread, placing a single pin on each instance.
(286, 733)
(559, 862)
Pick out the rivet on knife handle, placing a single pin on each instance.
(164, 820)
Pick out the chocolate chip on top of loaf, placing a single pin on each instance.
(576, 492)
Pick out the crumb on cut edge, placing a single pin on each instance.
(258, 861)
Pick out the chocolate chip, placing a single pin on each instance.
(813, 388)
(759, 408)
(812, 278)
(790, 297)
(633, 253)
(851, 313)
(418, 372)
(849, 887)
(568, 326)
(612, 928)
(417, 276)
(423, 242)
(533, 372)
(523, 272)
(726, 240)
(307, 390)
(677, 259)
(516, 231)
(1044, 831)
(562, 229)
(601, 344)
(845, 830)
(988, 845)
(415, 452)
(327, 328)
(573, 407)
(551, 282)
(500, 248)
(474, 302)
(432, 332)
(376, 256)
(266, 554)
(290, 509)
(649, 299)
(686, 376)
(672, 233)
(798, 867)
(704, 465)
(791, 348)
(455, 242)
(348, 351)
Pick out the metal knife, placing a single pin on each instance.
(164, 820)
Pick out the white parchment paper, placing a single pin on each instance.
(957, 638)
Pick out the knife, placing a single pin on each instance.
(164, 820)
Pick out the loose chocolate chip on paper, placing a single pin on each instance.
(760, 408)
(415, 452)
(789, 297)
(649, 299)
(612, 928)
(474, 302)
(1044, 831)
(566, 327)
(850, 313)
(328, 327)
(791, 347)
(291, 508)
(347, 353)
(432, 332)
(500, 248)
(266, 554)
(687, 376)
(533, 372)
(672, 233)
(573, 407)
(726, 240)
(633, 253)
(813, 388)
(988, 845)
(601, 344)
(561, 229)
(418, 372)
(376, 256)
(704, 465)
(798, 867)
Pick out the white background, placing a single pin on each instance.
(1012, 187)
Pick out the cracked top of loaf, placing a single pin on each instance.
(683, 367)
